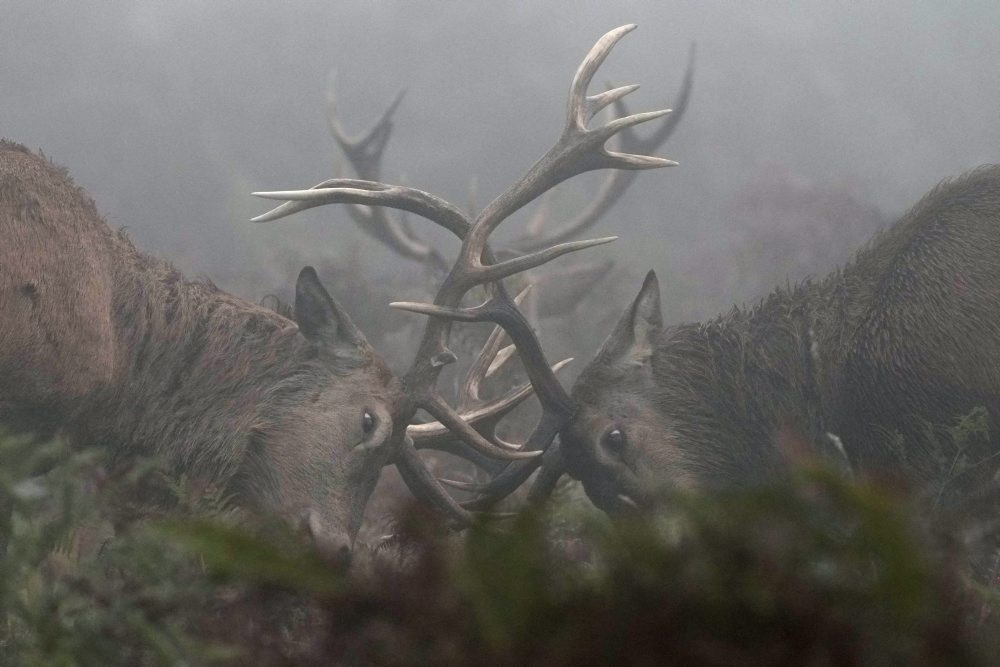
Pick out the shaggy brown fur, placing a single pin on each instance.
(907, 334)
(115, 348)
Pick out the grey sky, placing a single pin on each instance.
(170, 113)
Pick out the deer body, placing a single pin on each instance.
(114, 348)
(906, 334)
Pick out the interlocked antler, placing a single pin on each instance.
(485, 416)
(579, 149)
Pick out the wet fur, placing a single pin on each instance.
(907, 333)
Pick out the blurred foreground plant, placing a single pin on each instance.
(814, 568)
(71, 590)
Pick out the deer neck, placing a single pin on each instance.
(198, 371)
(744, 387)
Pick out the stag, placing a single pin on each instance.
(855, 365)
(114, 348)
(579, 149)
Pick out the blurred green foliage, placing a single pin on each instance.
(72, 591)
(812, 569)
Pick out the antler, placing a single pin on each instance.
(578, 150)
(617, 182)
(560, 291)
(485, 416)
(364, 152)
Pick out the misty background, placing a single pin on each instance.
(171, 113)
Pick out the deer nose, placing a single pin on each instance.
(334, 547)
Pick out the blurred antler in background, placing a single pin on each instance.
(563, 288)
(364, 152)
(578, 149)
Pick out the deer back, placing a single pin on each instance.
(57, 268)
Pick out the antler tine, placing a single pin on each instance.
(364, 151)
(515, 474)
(369, 193)
(454, 423)
(553, 467)
(550, 469)
(431, 434)
(491, 358)
(617, 181)
(595, 103)
(505, 355)
(578, 150)
(477, 373)
(510, 267)
(423, 484)
(365, 155)
(632, 143)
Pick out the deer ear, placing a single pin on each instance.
(634, 337)
(321, 319)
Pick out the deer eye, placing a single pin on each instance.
(614, 439)
(368, 422)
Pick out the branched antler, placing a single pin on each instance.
(579, 149)
(617, 182)
(365, 155)
(483, 415)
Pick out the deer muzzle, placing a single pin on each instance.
(334, 547)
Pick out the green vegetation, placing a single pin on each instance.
(813, 569)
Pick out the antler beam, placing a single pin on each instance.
(578, 149)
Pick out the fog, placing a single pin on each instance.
(170, 114)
